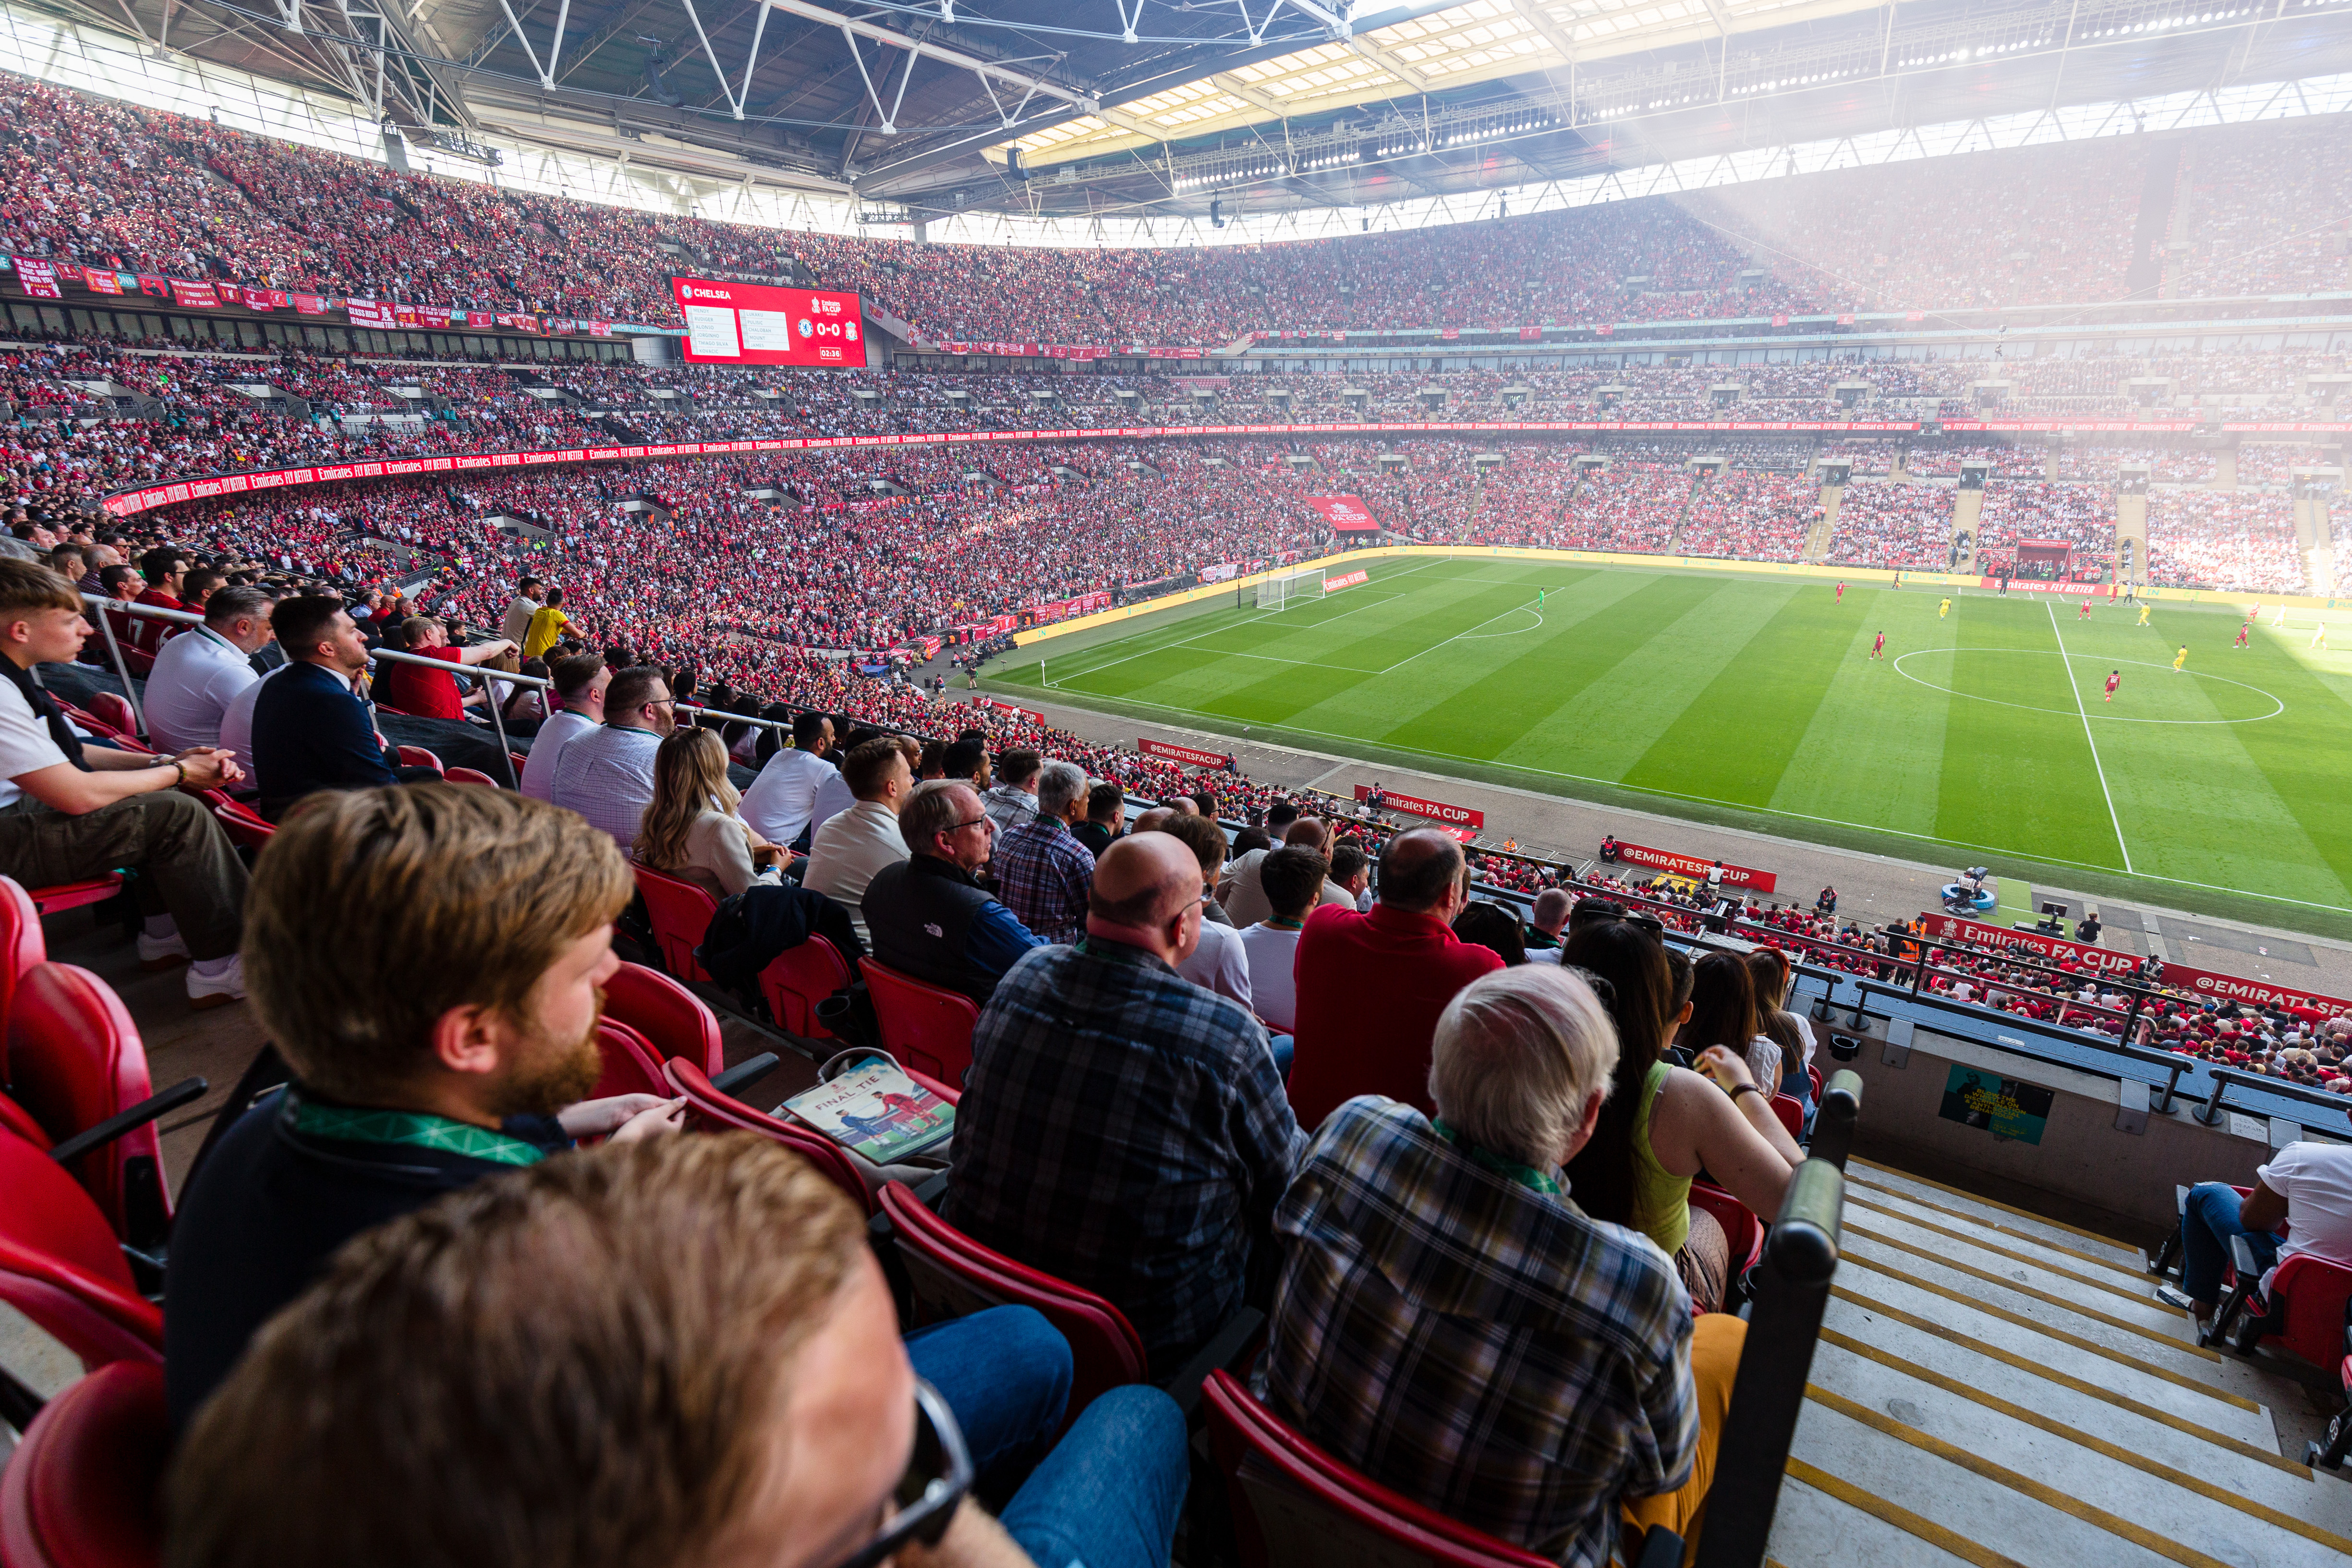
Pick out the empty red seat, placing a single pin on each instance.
(924, 1026)
(62, 1267)
(954, 1275)
(84, 1488)
(631, 1065)
(74, 1060)
(681, 913)
(713, 1110)
(419, 757)
(470, 776)
(22, 944)
(672, 1019)
(245, 827)
(797, 980)
(113, 709)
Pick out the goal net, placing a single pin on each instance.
(1278, 592)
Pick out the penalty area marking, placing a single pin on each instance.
(2072, 659)
(1513, 632)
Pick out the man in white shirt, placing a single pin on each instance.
(782, 800)
(527, 602)
(1218, 963)
(70, 811)
(1292, 875)
(846, 852)
(198, 675)
(2306, 1190)
(1240, 891)
(607, 776)
(579, 683)
(1012, 799)
(1545, 921)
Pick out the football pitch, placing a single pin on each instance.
(1982, 736)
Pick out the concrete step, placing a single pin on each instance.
(1884, 1180)
(1929, 1428)
(1926, 1224)
(1824, 1519)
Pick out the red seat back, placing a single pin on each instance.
(1791, 1112)
(797, 980)
(2314, 1291)
(61, 1267)
(714, 1110)
(680, 913)
(112, 710)
(631, 1065)
(927, 1025)
(954, 1275)
(672, 1019)
(84, 1490)
(1295, 1504)
(59, 896)
(1745, 1231)
(22, 945)
(74, 1060)
(470, 777)
(419, 757)
(245, 829)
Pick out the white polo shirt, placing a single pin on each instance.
(195, 678)
(783, 799)
(25, 743)
(547, 746)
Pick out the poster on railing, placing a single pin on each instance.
(2188, 978)
(1696, 867)
(2009, 1109)
(1176, 753)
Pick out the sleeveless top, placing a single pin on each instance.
(1661, 1198)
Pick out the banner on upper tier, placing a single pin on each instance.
(1436, 811)
(1696, 867)
(2181, 977)
(38, 279)
(1176, 753)
(1345, 514)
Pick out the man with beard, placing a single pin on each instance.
(430, 962)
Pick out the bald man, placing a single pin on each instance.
(1122, 1128)
(1371, 986)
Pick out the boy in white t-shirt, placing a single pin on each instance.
(2306, 1188)
(1292, 879)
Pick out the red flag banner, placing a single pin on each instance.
(1436, 811)
(193, 296)
(1345, 514)
(101, 281)
(1696, 868)
(370, 313)
(1176, 753)
(309, 304)
(38, 279)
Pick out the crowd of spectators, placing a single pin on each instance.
(1749, 515)
(2233, 540)
(1900, 525)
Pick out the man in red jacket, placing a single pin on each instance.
(1371, 986)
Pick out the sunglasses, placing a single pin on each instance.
(938, 1474)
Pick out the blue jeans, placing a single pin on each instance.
(1108, 1495)
(1284, 1047)
(1005, 1373)
(2207, 1224)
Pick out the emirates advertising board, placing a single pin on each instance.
(757, 323)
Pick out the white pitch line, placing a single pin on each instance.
(2075, 687)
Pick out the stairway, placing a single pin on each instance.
(1824, 529)
(1996, 1389)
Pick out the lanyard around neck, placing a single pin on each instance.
(414, 1130)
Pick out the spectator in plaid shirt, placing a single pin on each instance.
(1448, 1321)
(1122, 1128)
(1043, 872)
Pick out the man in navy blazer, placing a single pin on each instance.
(311, 729)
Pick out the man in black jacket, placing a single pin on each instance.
(927, 916)
(311, 729)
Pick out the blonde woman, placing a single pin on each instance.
(691, 830)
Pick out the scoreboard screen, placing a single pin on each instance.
(756, 323)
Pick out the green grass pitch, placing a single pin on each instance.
(1982, 736)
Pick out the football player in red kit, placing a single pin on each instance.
(2114, 678)
(1878, 649)
(2085, 611)
(2244, 633)
(1841, 597)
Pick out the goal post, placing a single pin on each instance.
(1279, 591)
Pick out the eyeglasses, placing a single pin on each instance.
(938, 1474)
(973, 822)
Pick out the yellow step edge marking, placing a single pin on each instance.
(2090, 1347)
(1991, 1204)
(2050, 1374)
(2023, 1485)
(1878, 1196)
(2019, 1288)
(2099, 1446)
(2143, 1293)
(1902, 1518)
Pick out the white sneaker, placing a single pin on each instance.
(217, 990)
(162, 951)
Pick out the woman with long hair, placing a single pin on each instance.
(691, 830)
(1662, 1124)
(1770, 968)
(1724, 1013)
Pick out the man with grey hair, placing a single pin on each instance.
(200, 672)
(928, 915)
(1042, 871)
(1450, 1322)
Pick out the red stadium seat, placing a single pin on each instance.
(680, 912)
(925, 1026)
(714, 1110)
(797, 980)
(84, 1488)
(631, 1065)
(470, 776)
(1745, 1231)
(246, 829)
(113, 709)
(1293, 1504)
(954, 1275)
(74, 1060)
(672, 1019)
(66, 895)
(62, 1267)
(1791, 1112)
(22, 944)
(419, 757)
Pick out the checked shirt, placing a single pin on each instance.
(1043, 873)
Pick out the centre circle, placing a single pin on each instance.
(2277, 705)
